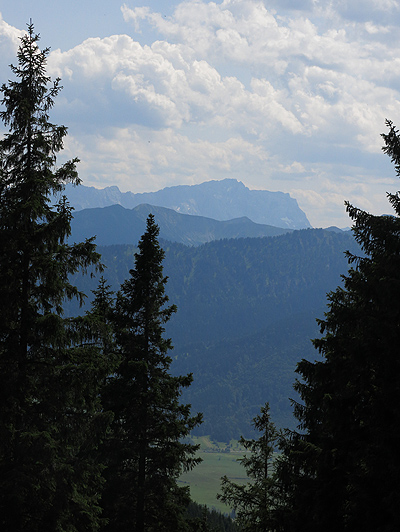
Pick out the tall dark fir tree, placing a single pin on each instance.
(49, 406)
(341, 471)
(146, 449)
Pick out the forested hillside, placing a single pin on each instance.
(247, 310)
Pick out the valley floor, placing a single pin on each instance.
(219, 459)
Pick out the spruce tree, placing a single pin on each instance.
(49, 406)
(255, 503)
(340, 470)
(98, 325)
(146, 452)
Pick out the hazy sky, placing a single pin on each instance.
(288, 95)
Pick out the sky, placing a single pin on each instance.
(283, 95)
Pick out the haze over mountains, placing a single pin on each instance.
(246, 306)
(248, 294)
(220, 200)
(117, 225)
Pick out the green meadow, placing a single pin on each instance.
(219, 459)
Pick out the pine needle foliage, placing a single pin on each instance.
(255, 502)
(341, 469)
(50, 413)
(147, 452)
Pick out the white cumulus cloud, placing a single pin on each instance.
(285, 95)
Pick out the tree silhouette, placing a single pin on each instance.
(341, 469)
(48, 393)
(147, 451)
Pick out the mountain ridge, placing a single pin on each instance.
(220, 200)
(117, 225)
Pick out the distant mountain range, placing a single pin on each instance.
(117, 225)
(220, 200)
(246, 306)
